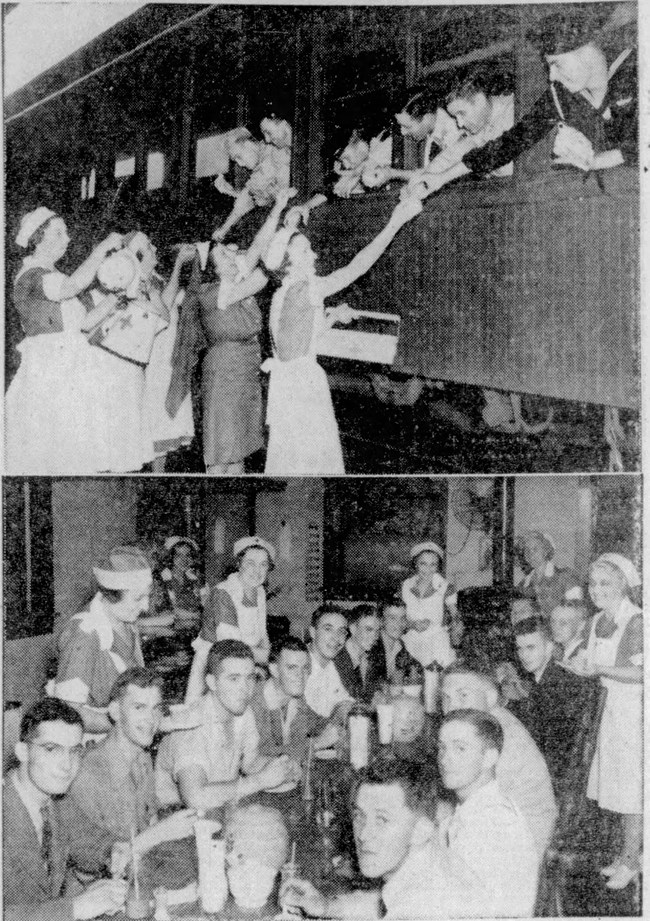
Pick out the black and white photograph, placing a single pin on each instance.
(321, 460)
(337, 698)
(308, 240)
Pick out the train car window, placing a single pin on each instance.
(211, 156)
(155, 170)
(88, 185)
(124, 167)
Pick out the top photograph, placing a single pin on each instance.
(314, 240)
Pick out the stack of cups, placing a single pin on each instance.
(213, 885)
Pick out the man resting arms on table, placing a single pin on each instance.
(201, 767)
(397, 845)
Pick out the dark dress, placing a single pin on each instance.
(612, 126)
(232, 396)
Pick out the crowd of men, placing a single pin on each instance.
(464, 839)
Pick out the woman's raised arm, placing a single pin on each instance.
(404, 211)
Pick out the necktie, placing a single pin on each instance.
(383, 911)
(605, 628)
(46, 840)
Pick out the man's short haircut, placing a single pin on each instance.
(360, 611)
(391, 601)
(419, 785)
(532, 602)
(48, 710)
(139, 678)
(574, 604)
(326, 609)
(288, 642)
(533, 625)
(485, 675)
(469, 83)
(227, 649)
(487, 727)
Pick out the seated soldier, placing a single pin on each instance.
(325, 692)
(552, 713)
(389, 657)
(521, 770)
(38, 843)
(569, 630)
(201, 767)
(397, 846)
(359, 673)
(284, 719)
(115, 787)
(487, 829)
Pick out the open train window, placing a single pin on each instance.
(88, 185)
(211, 155)
(155, 170)
(124, 166)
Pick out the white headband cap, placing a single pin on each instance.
(129, 569)
(427, 545)
(171, 542)
(245, 543)
(621, 562)
(30, 224)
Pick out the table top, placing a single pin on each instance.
(325, 856)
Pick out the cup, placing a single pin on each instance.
(213, 885)
(385, 723)
(359, 740)
(412, 690)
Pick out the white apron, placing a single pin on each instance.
(432, 644)
(616, 776)
(251, 622)
(303, 432)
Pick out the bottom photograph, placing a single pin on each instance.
(410, 698)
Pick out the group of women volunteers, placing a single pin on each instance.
(102, 641)
(89, 394)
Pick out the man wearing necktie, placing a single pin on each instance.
(39, 845)
(284, 719)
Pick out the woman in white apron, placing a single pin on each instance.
(615, 655)
(426, 595)
(100, 643)
(303, 432)
(236, 610)
(50, 407)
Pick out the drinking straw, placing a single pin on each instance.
(136, 881)
(293, 853)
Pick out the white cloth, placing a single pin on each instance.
(616, 776)
(119, 413)
(324, 688)
(221, 753)
(433, 882)
(432, 644)
(490, 834)
(523, 776)
(303, 431)
(251, 621)
(50, 406)
(167, 433)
